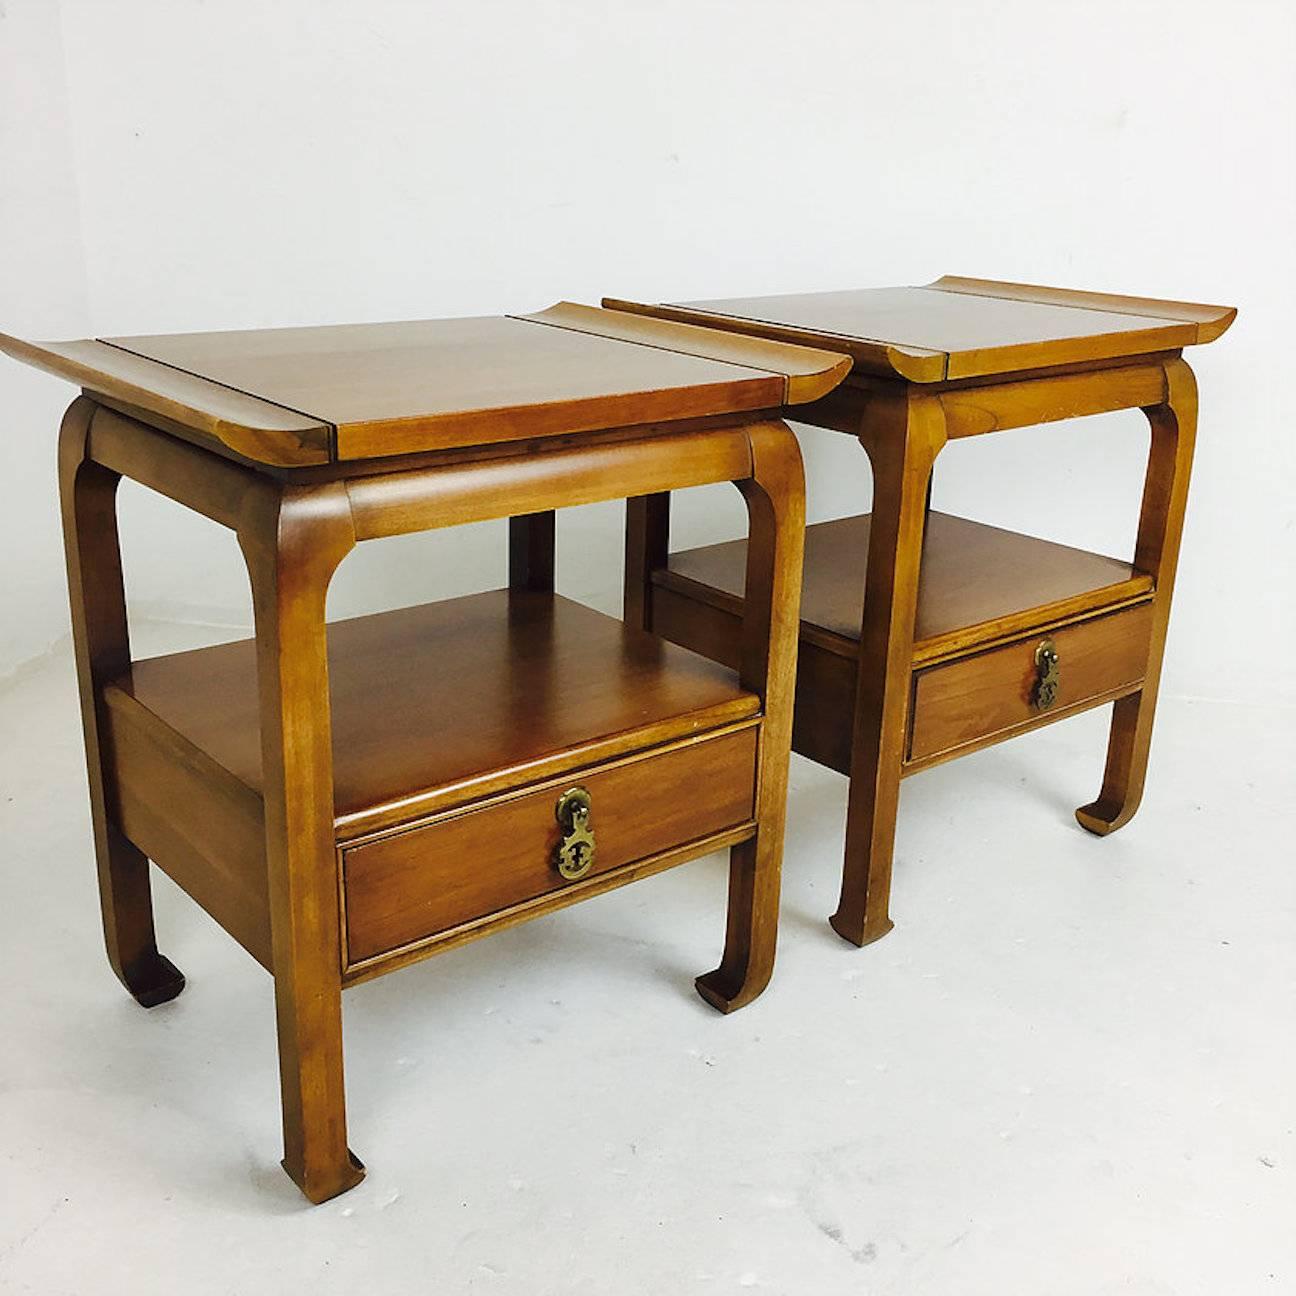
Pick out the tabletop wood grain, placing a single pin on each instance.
(210, 413)
(959, 328)
(304, 396)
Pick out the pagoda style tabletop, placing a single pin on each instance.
(959, 328)
(300, 396)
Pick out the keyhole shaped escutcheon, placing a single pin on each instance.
(1047, 672)
(574, 855)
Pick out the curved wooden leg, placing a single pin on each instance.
(775, 495)
(292, 552)
(751, 931)
(902, 433)
(102, 644)
(1165, 496)
(1128, 744)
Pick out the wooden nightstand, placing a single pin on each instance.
(924, 636)
(345, 801)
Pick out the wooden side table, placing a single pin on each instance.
(926, 636)
(344, 802)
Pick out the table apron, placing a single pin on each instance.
(427, 498)
(423, 499)
(975, 407)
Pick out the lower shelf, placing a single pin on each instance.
(977, 580)
(455, 726)
(439, 704)
(987, 598)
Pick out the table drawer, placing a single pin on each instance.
(967, 701)
(431, 877)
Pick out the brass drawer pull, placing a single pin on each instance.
(1047, 669)
(575, 853)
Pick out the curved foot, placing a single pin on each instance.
(726, 992)
(860, 933)
(1102, 817)
(156, 982)
(1127, 756)
(318, 1188)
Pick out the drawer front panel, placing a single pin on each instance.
(966, 701)
(468, 864)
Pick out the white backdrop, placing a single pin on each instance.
(174, 164)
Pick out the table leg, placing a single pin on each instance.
(292, 550)
(647, 546)
(775, 496)
(531, 552)
(101, 640)
(1165, 495)
(902, 433)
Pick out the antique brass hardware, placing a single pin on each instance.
(575, 853)
(1046, 675)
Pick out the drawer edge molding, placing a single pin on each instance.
(916, 764)
(413, 884)
(549, 782)
(982, 697)
(415, 951)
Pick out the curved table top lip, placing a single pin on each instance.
(217, 415)
(810, 371)
(1211, 320)
(289, 397)
(922, 349)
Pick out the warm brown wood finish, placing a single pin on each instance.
(977, 581)
(400, 388)
(532, 551)
(990, 695)
(919, 631)
(203, 411)
(451, 494)
(976, 408)
(809, 373)
(978, 586)
(1210, 321)
(201, 824)
(646, 551)
(292, 549)
(301, 396)
(89, 499)
(1156, 550)
(436, 705)
(868, 355)
(775, 496)
(345, 800)
(825, 689)
(468, 865)
(961, 328)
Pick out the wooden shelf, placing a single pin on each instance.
(441, 704)
(979, 583)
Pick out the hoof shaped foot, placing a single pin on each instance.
(727, 993)
(859, 934)
(158, 983)
(320, 1188)
(1103, 817)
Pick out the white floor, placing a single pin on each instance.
(1070, 1069)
